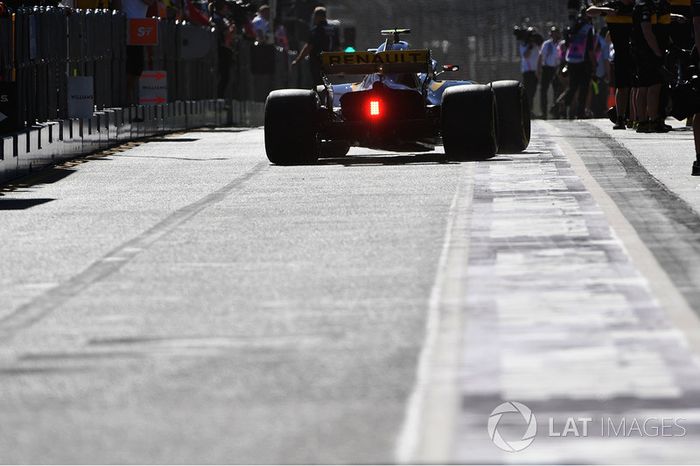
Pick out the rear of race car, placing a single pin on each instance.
(400, 105)
(388, 109)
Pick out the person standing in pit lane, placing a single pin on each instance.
(618, 16)
(529, 59)
(598, 92)
(649, 57)
(696, 119)
(682, 30)
(548, 67)
(323, 38)
(662, 30)
(580, 61)
(261, 25)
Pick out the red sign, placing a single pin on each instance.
(154, 100)
(153, 87)
(142, 31)
(155, 75)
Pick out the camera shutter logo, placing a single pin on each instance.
(529, 422)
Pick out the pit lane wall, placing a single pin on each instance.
(53, 142)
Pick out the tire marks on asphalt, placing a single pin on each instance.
(666, 224)
(46, 303)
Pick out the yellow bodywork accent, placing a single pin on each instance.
(436, 85)
(394, 61)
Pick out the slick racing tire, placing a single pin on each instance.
(513, 123)
(469, 122)
(291, 127)
(334, 149)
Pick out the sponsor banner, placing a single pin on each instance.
(142, 31)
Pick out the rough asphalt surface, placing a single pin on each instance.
(182, 301)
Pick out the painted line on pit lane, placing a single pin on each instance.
(431, 413)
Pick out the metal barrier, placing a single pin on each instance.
(41, 47)
(248, 86)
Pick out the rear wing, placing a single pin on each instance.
(391, 62)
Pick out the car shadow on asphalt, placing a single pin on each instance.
(219, 130)
(403, 159)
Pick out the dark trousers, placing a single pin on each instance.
(225, 63)
(549, 78)
(316, 75)
(530, 83)
(579, 80)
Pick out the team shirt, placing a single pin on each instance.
(681, 7)
(603, 56)
(662, 28)
(529, 63)
(550, 54)
(658, 14)
(261, 25)
(620, 25)
(581, 44)
(644, 13)
(324, 38)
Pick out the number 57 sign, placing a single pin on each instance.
(142, 31)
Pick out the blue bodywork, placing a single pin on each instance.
(435, 88)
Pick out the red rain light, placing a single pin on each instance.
(375, 108)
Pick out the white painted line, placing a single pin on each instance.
(661, 285)
(427, 433)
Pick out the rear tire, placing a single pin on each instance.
(514, 120)
(291, 127)
(469, 122)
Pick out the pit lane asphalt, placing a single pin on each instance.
(184, 301)
(181, 300)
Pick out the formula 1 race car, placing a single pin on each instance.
(400, 106)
